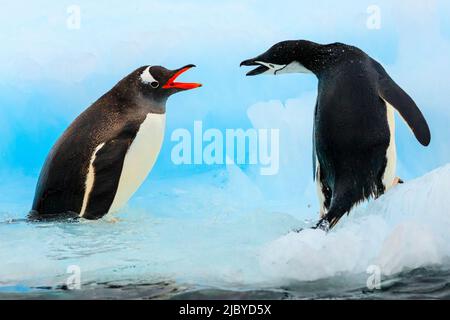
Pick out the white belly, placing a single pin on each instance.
(391, 153)
(319, 188)
(140, 158)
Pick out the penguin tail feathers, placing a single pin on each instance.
(329, 221)
(341, 203)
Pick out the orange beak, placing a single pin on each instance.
(171, 84)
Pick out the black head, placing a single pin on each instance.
(155, 82)
(293, 56)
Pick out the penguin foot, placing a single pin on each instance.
(113, 220)
(397, 181)
(323, 225)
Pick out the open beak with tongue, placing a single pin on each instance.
(171, 84)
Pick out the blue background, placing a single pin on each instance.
(50, 73)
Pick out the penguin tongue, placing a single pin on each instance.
(181, 85)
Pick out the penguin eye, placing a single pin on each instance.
(154, 84)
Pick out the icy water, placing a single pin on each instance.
(185, 241)
(421, 283)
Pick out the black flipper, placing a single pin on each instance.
(402, 102)
(108, 166)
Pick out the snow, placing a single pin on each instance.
(406, 228)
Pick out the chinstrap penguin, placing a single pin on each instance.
(354, 152)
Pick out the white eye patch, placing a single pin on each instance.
(146, 77)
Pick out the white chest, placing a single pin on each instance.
(140, 158)
(391, 153)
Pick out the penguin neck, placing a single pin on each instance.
(321, 58)
(151, 105)
(126, 95)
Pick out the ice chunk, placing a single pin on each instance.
(406, 228)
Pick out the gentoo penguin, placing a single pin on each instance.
(108, 151)
(354, 154)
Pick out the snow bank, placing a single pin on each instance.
(408, 227)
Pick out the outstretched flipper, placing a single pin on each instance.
(404, 104)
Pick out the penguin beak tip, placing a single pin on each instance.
(248, 62)
(171, 84)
